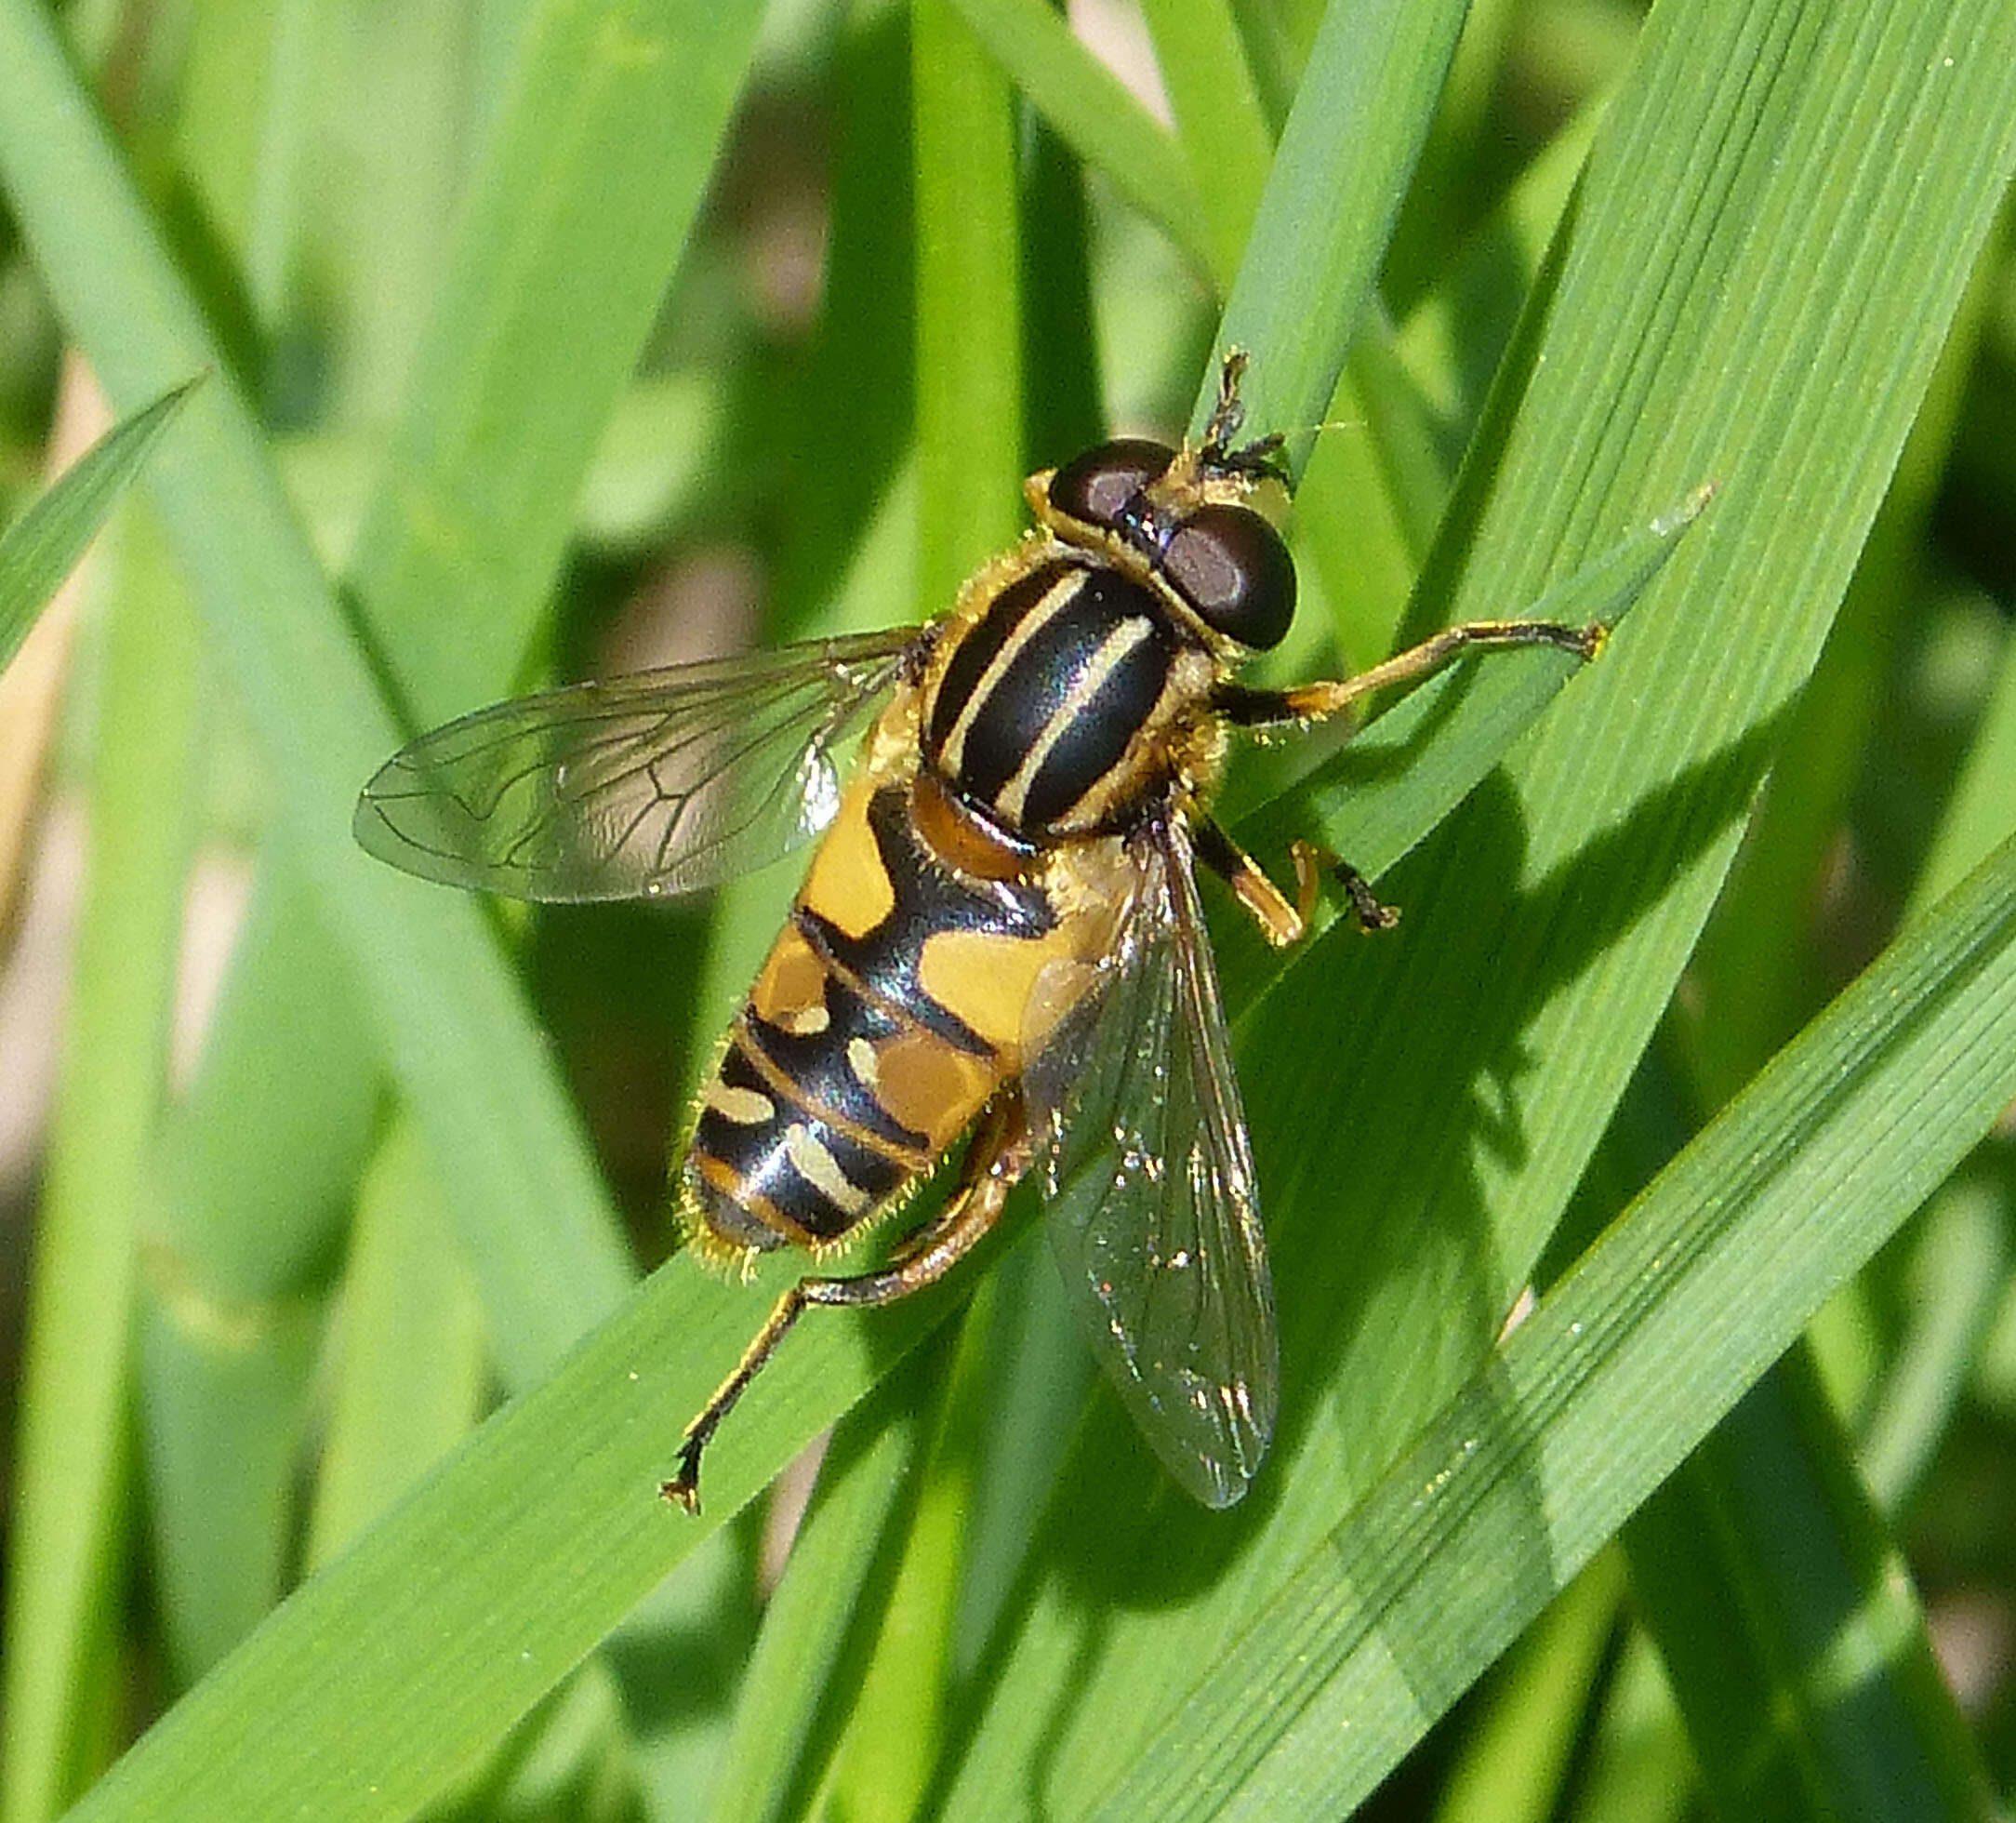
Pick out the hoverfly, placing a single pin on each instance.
(999, 934)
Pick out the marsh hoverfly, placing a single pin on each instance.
(999, 934)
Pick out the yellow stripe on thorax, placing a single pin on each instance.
(1013, 797)
(1059, 596)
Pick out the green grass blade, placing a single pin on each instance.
(453, 1020)
(76, 1375)
(547, 304)
(42, 547)
(1790, 1631)
(820, 1624)
(1358, 523)
(248, 122)
(1361, 116)
(410, 1381)
(1977, 815)
(1787, 1625)
(1218, 116)
(1094, 112)
(411, 97)
(225, 1401)
(1452, 340)
(1952, 1284)
(1512, 1766)
(253, 1172)
(1638, 1768)
(1359, 120)
(894, 1736)
(1599, 1395)
(969, 368)
(855, 388)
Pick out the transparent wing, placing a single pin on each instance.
(1153, 1214)
(664, 781)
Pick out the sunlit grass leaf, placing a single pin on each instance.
(1621, 1371)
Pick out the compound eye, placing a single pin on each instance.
(1233, 568)
(1095, 488)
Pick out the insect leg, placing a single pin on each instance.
(1259, 455)
(1312, 701)
(1281, 923)
(684, 1487)
(994, 1160)
(1312, 863)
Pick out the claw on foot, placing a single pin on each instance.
(683, 1489)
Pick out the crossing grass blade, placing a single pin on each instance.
(42, 547)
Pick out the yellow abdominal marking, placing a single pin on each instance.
(744, 1107)
(987, 981)
(1013, 797)
(930, 1087)
(861, 1060)
(810, 1158)
(790, 993)
(848, 886)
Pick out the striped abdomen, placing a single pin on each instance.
(898, 999)
(1043, 712)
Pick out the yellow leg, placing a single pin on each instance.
(1281, 923)
(1312, 701)
(1312, 863)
